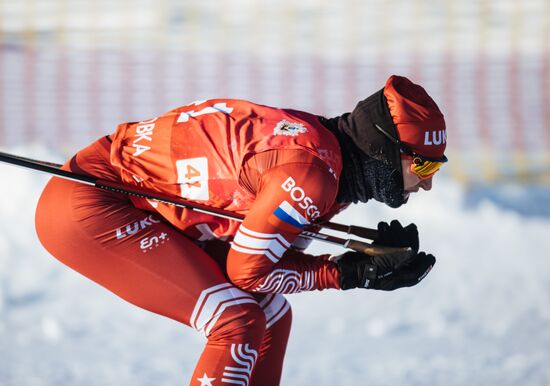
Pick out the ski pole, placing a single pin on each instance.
(363, 232)
(53, 169)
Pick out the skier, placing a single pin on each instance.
(283, 169)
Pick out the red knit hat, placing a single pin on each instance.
(419, 122)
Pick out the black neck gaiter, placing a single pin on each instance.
(364, 178)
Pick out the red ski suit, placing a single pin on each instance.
(278, 167)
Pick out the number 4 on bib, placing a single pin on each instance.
(193, 178)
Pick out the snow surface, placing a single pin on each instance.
(481, 317)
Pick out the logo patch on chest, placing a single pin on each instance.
(285, 127)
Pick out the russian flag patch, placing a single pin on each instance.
(287, 215)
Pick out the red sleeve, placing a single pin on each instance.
(288, 197)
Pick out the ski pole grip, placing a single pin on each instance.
(375, 250)
(366, 233)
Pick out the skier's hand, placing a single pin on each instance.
(395, 235)
(385, 272)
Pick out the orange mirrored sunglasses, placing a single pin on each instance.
(423, 167)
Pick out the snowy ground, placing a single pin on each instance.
(482, 317)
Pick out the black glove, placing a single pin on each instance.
(385, 272)
(394, 235)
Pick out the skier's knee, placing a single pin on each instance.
(224, 312)
(245, 323)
